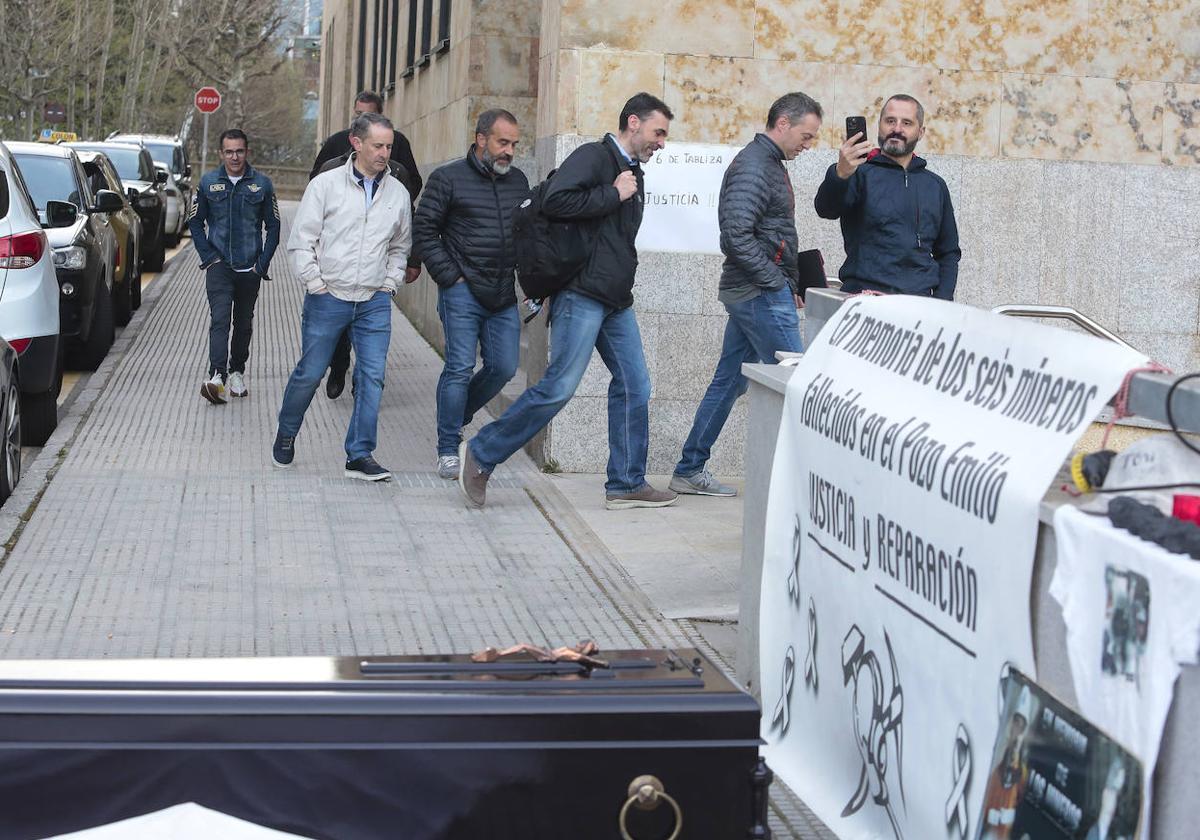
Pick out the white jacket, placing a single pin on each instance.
(339, 244)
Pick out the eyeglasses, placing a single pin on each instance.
(233, 152)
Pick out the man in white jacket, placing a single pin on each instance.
(349, 244)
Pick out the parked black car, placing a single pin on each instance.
(84, 245)
(127, 225)
(144, 188)
(10, 421)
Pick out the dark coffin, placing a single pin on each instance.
(387, 747)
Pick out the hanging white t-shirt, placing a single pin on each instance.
(1130, 610)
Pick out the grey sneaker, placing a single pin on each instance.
(472, 481)
(448, 467)
(646, 497)
(700, 484)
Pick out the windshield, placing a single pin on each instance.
(127, 160)
(49, 179)
(163, 153)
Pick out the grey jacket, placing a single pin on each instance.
(757, 216)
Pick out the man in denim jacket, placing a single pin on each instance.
(234, 205)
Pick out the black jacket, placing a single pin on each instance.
(582, 190)
(757, 217)
(463, 228)
(338, 145)
(898, 227)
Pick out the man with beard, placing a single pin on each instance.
(600, 188)
(462, 231)
(897, 219)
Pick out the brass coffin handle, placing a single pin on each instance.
(646, 793)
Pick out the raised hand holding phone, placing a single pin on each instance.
(855, 148)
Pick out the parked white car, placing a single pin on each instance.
(29, 304)
(177, 208)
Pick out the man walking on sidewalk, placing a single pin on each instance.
(599, 187)
(349, 244)
(334, 150)
(233, 206)
(463, 233)
(757, 216)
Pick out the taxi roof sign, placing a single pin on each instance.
(51, 136)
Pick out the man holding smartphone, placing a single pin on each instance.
(759, 278)
(897, 218)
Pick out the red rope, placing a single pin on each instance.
(1121, 401)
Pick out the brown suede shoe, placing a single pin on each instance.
(471, 480)
(646, 497)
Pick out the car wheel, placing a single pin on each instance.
(135, 291)
(38, 420)
(123, 300)
(172, 240)
(10, 464)
(93, 351)
(158, 252)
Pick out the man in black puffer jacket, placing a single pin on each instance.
(757, 217)
(897, 218)
(462, 232)
(600, 188)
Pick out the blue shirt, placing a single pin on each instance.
(621, 149)
(369, 187)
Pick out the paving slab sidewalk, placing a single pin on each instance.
(153, 524)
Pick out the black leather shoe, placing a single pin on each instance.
(335, 383)
(366, 469)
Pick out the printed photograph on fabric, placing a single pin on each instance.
(1126, 623)
(1055, 775)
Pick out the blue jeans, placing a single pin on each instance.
(577, 324)
(231, 296)
(755, 330)
(467, 325)
(325, 318)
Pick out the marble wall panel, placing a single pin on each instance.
(1025, 36)
(508, 65)
(882, 32)
(1153, 40)
(1181, 125)
(507, 18)
(1082, 119)
(607, 78)
(671, 26)
(558, 83)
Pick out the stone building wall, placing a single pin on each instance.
(1068, 132)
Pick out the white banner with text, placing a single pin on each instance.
(917, 440)
(683, 187)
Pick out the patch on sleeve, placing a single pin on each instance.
(275, 205)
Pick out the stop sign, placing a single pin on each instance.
(208, 99)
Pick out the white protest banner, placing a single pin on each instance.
(918, 438)
(683, 185)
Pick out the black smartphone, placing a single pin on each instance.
(856, 125)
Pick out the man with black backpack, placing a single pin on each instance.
(599, 189)
(462, 231)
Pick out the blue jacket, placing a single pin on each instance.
(235, 215)
(897, 225)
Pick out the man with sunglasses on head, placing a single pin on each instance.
(234, 205)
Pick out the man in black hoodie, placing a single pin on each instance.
(599, 187)
(897, 218)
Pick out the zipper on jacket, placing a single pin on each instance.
(917, 202)
(503, 236)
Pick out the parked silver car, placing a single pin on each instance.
(172, 153)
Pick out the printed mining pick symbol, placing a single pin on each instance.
(781, 717)
(960, 765)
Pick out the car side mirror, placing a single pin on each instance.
(187, 171)
(160, 176)
(132, 193)
(61, 214)
(108, 201)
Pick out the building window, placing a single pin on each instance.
(426, 33)
(380, 36)
(443, 43)
(395, 39)
(410, 61)
(362, 43)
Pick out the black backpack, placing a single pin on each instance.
(550, 252)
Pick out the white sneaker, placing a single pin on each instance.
(237, 385)
(448, 467)
(213, 390)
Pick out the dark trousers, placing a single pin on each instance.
(340, 363)
(231, 298)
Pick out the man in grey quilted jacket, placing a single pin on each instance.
(757, 217)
